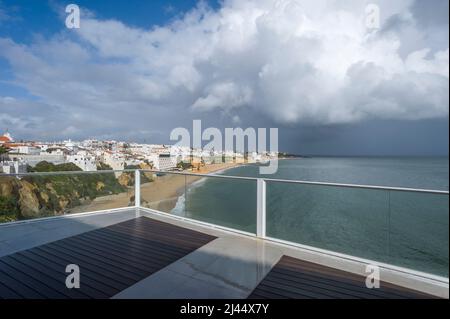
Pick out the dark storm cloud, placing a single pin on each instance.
(371, 138)
(431, 12)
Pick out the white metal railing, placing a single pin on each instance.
(261, 208)
(260, 184)
(261, 190)
(261, 216)
(137, 188)
(55, 173)
(293, 181)
(405, 189)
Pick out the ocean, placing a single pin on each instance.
(399, 228)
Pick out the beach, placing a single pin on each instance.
(160, 194)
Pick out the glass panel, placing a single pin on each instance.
(222, 201)
(419, 231)
(353, 221)
(225, 202)
(39, 195)
(163, 192)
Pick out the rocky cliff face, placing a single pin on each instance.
(6, 186)
(28, 200)
(31, 201)
(148, 175)
(32, 197)
(126, 179)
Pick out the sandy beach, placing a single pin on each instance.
(160, 194)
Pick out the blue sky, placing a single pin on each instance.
(41, 17)
(316, 70)
(29, 19)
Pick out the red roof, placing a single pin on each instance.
(4, 139)
(14, 144)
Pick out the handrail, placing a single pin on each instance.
(67, 173)
(404, 189)
(261, 193)
(275, 180)
(389, 188)
(202, 175)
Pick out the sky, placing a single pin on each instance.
(320, 71)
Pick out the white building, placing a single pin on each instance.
(55, 151)
(83, 161)
(32, 160)
(71, 146)
(228, 157)
(163, 162)
(166, 162)
(115, 160)
(254, 157)
(133, 162)
(13, 167)
(25, 149)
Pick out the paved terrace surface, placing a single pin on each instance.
(110, 260)
(293, 278)
(134, 253)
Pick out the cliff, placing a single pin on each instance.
(39, 196)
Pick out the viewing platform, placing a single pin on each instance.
(139, 252)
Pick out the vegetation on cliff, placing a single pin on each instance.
(184, 165)
(49, 195)
(103, 167)
(127, 178)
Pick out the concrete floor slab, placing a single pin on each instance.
(227, 267)
(230, 266)
(20, 236)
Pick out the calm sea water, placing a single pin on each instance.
(400, 228)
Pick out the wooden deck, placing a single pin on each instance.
(110, 260)
(296, 279)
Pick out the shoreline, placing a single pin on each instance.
(172, 187)
(161, 194)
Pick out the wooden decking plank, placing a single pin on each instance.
(294, 278)
(345, 291)
(342, 277)
(56, 268)
(93, 267)
(168, 246)
(10, 267)
(146, 253)
(162, 231)
(124, 251)
(103, 257)
(49, 276)
(15, 283)
(110, 259)
(356, 287)
(8, 293)
(92, 278)
(165, 239)
(43, 279)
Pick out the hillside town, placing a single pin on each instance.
(92, 155)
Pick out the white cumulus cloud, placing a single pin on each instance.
(285, 60)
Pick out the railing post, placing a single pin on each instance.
(261, 208)
(137, 188)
